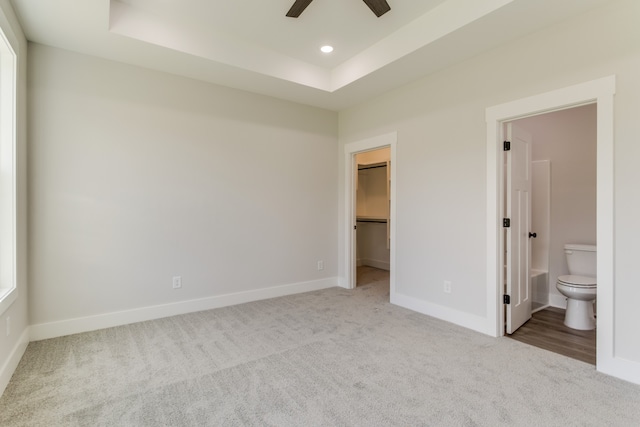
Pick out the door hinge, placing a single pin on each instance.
(506, 299)
(506, 146)
(355, 227)
(506, 222)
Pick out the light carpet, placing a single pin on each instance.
(334, 357)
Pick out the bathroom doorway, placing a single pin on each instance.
(601, 93)
(563, 194)
(563, 189)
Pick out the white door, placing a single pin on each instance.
(518, 210)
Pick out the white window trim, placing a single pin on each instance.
(8, 85)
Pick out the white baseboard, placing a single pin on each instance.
(620, 368)
(91, 323)
(383, 265)
(460, 318)
(11, 364)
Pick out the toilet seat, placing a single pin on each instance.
(577, 281)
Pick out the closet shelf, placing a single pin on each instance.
(371, 219)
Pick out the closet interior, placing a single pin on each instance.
(373, 195)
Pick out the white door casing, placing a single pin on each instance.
(388, 204)
(350, 150)
(600, 91)
(518, 245)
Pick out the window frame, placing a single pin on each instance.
(8, 144)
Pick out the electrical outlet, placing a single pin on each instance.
(320, 265)
(177, 282)
(447, 287)
(8, 325)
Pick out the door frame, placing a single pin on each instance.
(601, 92)
(350, 151)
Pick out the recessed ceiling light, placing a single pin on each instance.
(327, 49)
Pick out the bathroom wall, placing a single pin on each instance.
(568, 139)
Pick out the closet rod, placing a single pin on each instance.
(379, 221)
(363, 167)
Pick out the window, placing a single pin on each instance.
(8, 62)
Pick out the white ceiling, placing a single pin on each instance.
(252, 45)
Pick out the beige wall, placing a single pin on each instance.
(137, 176)
(441, 157)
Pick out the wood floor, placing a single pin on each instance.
(547, 330)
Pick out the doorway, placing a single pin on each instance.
(373, 172)
(378, 217)
(601, 93)
(562, 210)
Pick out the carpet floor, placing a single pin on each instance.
(334, 357)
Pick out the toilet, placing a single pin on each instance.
(579, 286)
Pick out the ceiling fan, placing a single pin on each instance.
(379, 7)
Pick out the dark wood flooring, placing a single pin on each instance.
(546, 330)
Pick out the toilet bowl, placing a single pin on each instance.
(580, 286)
(580, 292)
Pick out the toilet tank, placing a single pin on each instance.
(581, 259)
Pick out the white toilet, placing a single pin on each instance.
(579, 286)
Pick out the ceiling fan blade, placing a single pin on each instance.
(379, 7)
(298, 7)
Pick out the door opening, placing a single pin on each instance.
(370, 208)
(599, 92)
(372, 189)
(562, 174)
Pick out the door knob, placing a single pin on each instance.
(534, 235)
